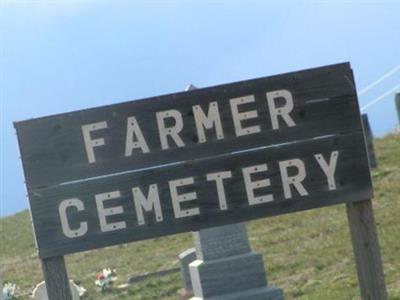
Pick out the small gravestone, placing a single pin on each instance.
(40, 292)
(185, 258)
(227, 268)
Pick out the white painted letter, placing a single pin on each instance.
(212, 119)
(218, 178)
(62, 209)
(132, 128)
(170, 131)
(330, 169)
(177, 199)
(293, 180)
(89, 143)
(252, 185)
(105, 212)
(152, 202)
(239, 117)
(282, 111)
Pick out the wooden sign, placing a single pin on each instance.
(196, 159)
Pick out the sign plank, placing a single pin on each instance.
(54, 151)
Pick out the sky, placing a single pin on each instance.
(59, 56)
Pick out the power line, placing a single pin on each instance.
(381, 97)
(379, 80)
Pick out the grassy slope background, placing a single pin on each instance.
(308, 254)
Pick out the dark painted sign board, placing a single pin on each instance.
(196, 159)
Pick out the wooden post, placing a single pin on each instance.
(366, 249)
(56, 278)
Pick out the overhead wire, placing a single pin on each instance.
(381, 97)
(375, 83)
(379, 80)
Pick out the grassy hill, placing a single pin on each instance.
(308, 254)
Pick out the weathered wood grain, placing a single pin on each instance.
(366, 249)
(53, 152)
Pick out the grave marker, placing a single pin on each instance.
(226, 267)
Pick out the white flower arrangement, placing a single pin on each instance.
(9, 291)
(106, 279)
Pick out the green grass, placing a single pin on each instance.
(308, 254)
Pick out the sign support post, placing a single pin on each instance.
(366, 249)
(56, 278)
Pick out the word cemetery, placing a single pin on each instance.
(147, 198)
(196, 159)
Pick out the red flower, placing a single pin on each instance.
(100, 276)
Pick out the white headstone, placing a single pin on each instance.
(40, 292)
